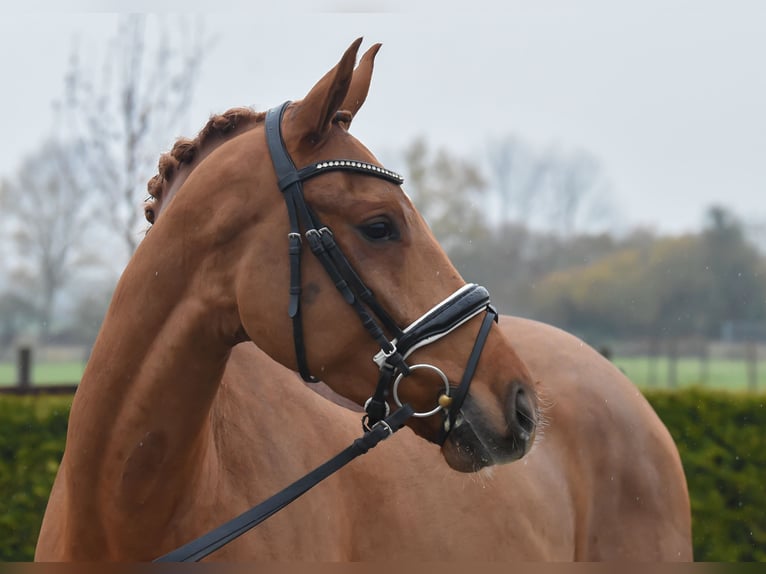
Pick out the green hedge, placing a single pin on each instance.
(32, 433)
(721, 440)
(719, 435)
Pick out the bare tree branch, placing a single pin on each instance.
(576, 190)
(47, 219)
(125, 113)
(447, 192)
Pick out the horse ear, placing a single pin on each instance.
(360, 83)
(313, 115)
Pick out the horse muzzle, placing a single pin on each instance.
(479, 439)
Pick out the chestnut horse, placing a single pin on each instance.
(190, 412)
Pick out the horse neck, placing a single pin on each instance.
(139, 421)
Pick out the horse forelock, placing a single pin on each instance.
(218, 129)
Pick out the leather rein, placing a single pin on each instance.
(378, 423)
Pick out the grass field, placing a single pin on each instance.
(45, 373)
(725, 374)
(721, 373)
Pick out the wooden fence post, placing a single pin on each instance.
(673, 363)
(751, 354)
(24, 368)
(654, 351)
(704, 356)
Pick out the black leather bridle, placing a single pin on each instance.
(464, 304)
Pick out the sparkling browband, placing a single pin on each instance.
(350, 165)
(361, 165)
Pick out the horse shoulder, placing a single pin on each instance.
(624, 469)
(381, 505)
(269, 430)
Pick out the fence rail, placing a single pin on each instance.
(671, 363)
(59, 389)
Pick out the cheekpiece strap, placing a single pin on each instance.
(320, 239)
(460, 393)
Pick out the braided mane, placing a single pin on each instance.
(217, 130)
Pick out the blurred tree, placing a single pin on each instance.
(600, 299)
(45, 215)
(446, 191)
(500, 262)
(678, 286)
(668, 288)
(556, 191)
(126, 113)
(576, 191)
(17, 313)
(735, 271)
(516, 177)
(513, 260)
(88, 313)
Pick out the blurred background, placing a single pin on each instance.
(597, 166)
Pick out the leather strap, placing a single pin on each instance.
(201, 547)
(322, 242)
(289, 184)
(444, 318)
(460, 393)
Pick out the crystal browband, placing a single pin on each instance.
(350, 165)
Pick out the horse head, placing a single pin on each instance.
(274, 188)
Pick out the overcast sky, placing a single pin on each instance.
(669, 96)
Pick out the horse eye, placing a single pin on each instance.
(379, 230)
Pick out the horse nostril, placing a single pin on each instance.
(525, 412)
(521, 412)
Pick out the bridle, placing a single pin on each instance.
(467, 302)
(464, 304)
